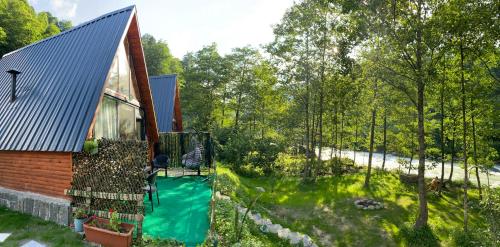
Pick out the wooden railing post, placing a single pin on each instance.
(88, 200)
(139, 217)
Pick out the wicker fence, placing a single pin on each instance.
(176, 144)
(112, 178)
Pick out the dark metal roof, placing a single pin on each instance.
(163, 89)
(61, 81)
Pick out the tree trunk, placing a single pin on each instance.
(452, 150)
(411, 156)
(307, 170)
(464, 122)
(223, 105)
(355, 143)
(321, 101)
(238, 105)
(475, 150)
(423, 211)
(341, 134)
(333, 135)
(336, 130)
(385, 139)
(442, 135)
(372, 139)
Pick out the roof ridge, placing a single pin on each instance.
(129, 8)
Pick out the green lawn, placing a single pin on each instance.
(325, 209)
(25, 227)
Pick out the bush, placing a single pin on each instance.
(225, 184)
(251, 236)
(472, 238)
(490, 207)
(289, 165)
(419, 237)
(240, 148)
(338, 166)
(250, 171)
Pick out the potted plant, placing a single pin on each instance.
(110, 233)
(79, 217)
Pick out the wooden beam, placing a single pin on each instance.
(177, 109)
(141, 74)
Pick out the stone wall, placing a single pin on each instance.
(48, 208)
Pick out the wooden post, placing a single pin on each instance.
(139, 217)
(88, 200)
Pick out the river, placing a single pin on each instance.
(391, 163)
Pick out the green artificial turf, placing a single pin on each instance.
(183, 211)
(25, 227)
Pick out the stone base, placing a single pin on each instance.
(48, 208)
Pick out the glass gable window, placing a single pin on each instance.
(106, 124)
(120, 116)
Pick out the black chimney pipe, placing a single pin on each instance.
(14, 74)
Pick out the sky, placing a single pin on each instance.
(186, 25)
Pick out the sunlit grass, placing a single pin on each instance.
(324, 209)
(24, 227)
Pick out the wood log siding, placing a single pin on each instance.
(47, 173)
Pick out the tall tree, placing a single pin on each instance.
(159, 60)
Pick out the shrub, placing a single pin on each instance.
(490, 207)
(289, 164)
(250, 171)
(418, 237)
(472, 238)
(337, 166)
(225, 184)
(240, 148)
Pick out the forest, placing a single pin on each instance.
(418, 80)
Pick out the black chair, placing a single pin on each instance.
(152, 187)
(161, 161)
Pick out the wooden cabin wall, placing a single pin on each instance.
(47, 173)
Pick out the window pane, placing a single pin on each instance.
(127, 121)
(124, 70)
(139, 124)
(106, 122)
(113, 76)
(133, 83)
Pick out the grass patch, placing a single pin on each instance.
(325, 211)
(251, 235)
(25, 227)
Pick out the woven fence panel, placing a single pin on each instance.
(116, 168)
(176, 144)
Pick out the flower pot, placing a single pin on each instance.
(79, 224)
(106, 237)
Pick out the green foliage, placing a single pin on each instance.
(159, 59)
(327, 205)
(490, 207)
(290, 165)
(225, 184)
(250, 235)
(90, 146)
(80, 213)
(154, 242)
(244, 152)
(419, 237)
(472, 238)
(114, 222)
(24, 226)
(20, 25)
